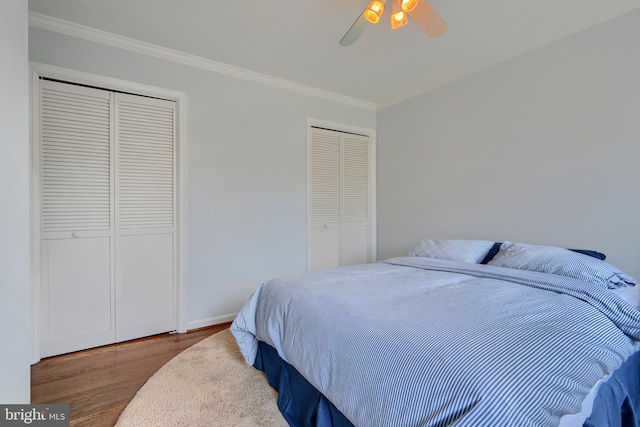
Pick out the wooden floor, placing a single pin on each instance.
(99, 383)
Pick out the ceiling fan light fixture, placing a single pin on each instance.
(374, 11)
(408, 5)
(421, 12)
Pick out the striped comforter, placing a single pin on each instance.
(423, 342)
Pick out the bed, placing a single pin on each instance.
(458, 333)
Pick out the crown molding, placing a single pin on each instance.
(544, 37)
(92, 34)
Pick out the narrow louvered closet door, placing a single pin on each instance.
(76, 218)
(355, 230)
(145, 216)
(339, 224)
(323, 246)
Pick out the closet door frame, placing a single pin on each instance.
(371, 134)
(39, 70)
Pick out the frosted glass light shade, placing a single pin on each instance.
(398, 17)
(374, 11)
(408, 5)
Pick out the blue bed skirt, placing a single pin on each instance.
(617, 403)
(300, 403)
(618, 400)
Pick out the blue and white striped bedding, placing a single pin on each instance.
(425, 342)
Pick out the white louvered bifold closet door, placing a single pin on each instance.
(339, 226)
(107, 180)
(145, 216)
(76, 218)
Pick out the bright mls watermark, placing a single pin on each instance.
(34, 415)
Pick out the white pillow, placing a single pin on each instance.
(560, 261)
(472, 251)
(630, 294)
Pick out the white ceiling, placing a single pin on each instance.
(298, 40)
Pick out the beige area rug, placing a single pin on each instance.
(208, 384)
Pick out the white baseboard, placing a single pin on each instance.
(210, 321)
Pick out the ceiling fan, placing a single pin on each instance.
(419, 10)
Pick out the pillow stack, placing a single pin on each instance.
(563, 262)
(585, 265)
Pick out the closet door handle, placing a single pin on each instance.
(75, 234)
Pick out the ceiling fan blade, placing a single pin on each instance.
(354, 32)
(428, 19)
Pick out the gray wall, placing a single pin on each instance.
(542, 148)
(246, 172)
(15, 286)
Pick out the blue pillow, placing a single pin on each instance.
(492, 252)
(496, 247)
(591, 253)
